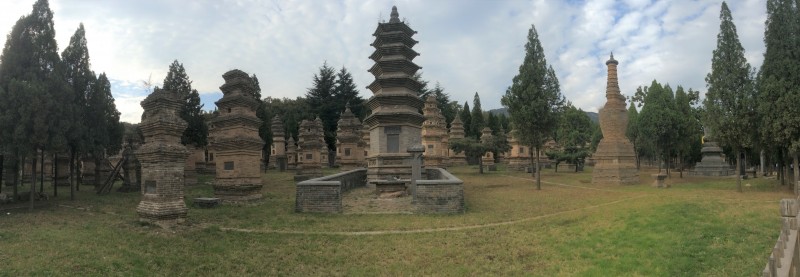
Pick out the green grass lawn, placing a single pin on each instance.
(699, 227)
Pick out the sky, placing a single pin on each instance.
(466, 46)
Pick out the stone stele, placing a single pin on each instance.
(615, 158)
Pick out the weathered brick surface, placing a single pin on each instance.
(324, 195)
(441, 193)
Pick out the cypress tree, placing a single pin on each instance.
(323, 103)
(730, 100)
(534, 99)
(346, 91)
(478, 122)
(466, 118)
(632, 131)
(196, 132)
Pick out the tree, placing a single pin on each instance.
(32, 78)
(346, 91)
(475, 149)
(466, 118)
(80, 76)
(105, 131)
(448, 108)
(321, 98)
(689, 127)
(264, 114)
(574, 134)
(504, 121)
(478, 122)
(632, 132)
(196, 132)
(730, 100)
(658, 120)
(534, 99)
(778, 92)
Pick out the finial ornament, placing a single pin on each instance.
(394, 16)
(612, 55)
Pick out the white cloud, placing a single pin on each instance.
(467, 46)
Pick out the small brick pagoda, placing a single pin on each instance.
(434, 134)
(349, 147)
(309, 160)
(488, 158)
(163, 159)
(614, 157)
(519, 156)
(236, 143)
(277, 159)
(456, 132)
(291, 154)
(395, 122)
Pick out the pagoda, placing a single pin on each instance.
(488, 158)
(434, 134)
(291, 154)
(277, 158)
(614, 157)
(163, 159)
(395, 122)
(349, 148)
(456, 132)
(519, 156)
(309, 154)
(236, 143)
(713, 160)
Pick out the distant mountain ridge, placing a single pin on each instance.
(592, 115)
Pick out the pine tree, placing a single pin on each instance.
(730, 99)
(196, 132)
(265, 115)
(689, 130)
(346, 91)
(478, 121)
(658, 120)
(534, 99)
(323, 103)
(466, 118)
(105, 131)
(632, 131)
(778, 91)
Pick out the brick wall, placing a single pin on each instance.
(442, 193)
(324, 194)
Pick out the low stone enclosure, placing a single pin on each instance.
(785, 257)
(439, 192)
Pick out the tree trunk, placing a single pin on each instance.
(41, 172)
(78, 170)
(55, 173)
(33, 179)
(796, 171)
(761, 159)
(2, 177)
(538, 171)
(72, 182)
(480, 164)
(781, 173)
(533, 172)
(738, 169)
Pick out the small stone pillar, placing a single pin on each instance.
(163, 160)
(660, 180)
(416, 151)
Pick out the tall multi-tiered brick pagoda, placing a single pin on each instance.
(456, 132)
(163, 159)
(277, 159)
(349, 147)
(395, 122)
(614, 157)
(434, 134)
(236, 143)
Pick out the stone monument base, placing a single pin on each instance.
(389, 166)
(236, 193)
(164, 213)
(615, 174)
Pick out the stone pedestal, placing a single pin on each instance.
(712, 163)
(163, 160)
(615, 158)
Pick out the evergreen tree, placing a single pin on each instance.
(632, 131)
(323, 103)
(346, 91)
(504, 121)
(478, 121)
(493, 123)
(534, 99)
(196, 132)
(574, 133)
(730, 100)
(265, 115)
(104, 130)
(689, 128)
(448, 108)
(659, 120)
(778, 90)
(466, 118)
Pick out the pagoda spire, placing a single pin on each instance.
(395, 17)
